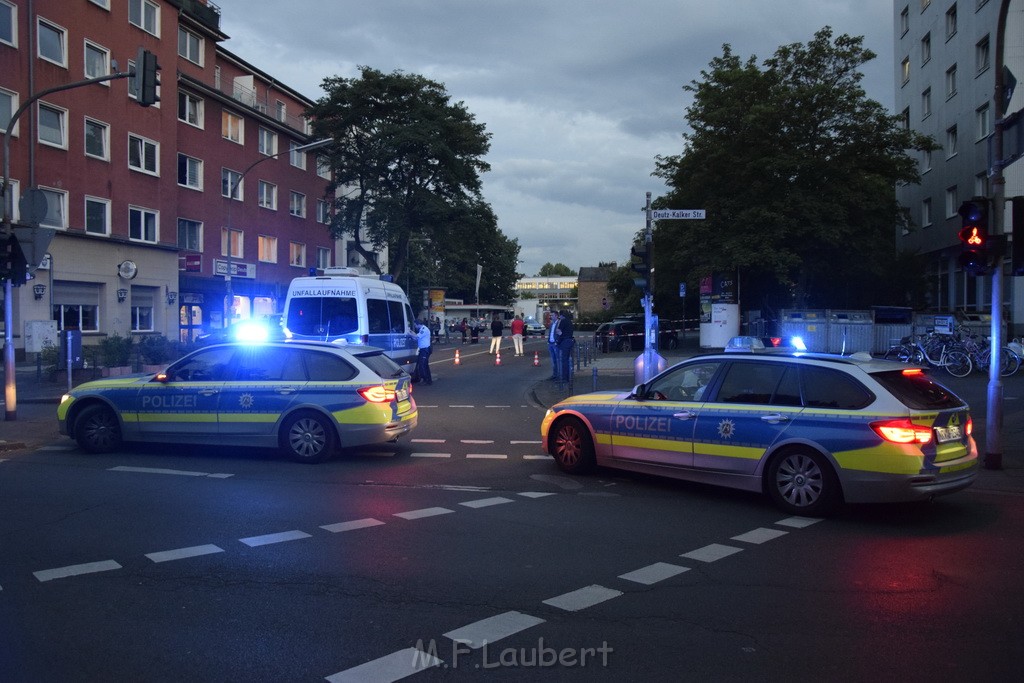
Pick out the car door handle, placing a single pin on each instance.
(686, 415)
(775, 418)
(285, 390)
(208, 392)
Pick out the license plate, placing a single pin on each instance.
(950, 433)
(402, 394)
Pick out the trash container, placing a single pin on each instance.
(849, 332)
(892, 323)
(810, 325)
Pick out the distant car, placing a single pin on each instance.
(303, 398)
(532, 326)
(809, 430)
(619, 335)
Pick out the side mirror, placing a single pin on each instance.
(638, 391)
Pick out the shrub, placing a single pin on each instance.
(157, 349)
(116, 350)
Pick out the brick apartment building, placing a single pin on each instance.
(139, 196)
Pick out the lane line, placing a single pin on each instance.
(352, 526)
(281, 537)
(161, 470)
(431, 455)
(651, 574)
(761, 535)
(76, 570)
(536, 494)
(184, 553)
(427, 440)
(492, 629)
(461, 406)
(425, 512)
(537, 457)
(392, 667)
(497, 406)
(582, 598)
(486, 456)
(798, 522)
(486, 502)
(711, 553)
(476, 441)
(516, 443)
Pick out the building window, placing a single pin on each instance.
(323, 211)
(84, 317)
(951, 21)
(142, 224)
(926, 161)
(298, 159)
(952, 204)
(133, 92)
(97, 140)
(904, 21)
(951, 141)
(236, 243)
(297, 204)
(52, 126)
(190, 46)
(905, 69)
(231, 179)
(97, 61)
(142, 316)
(145, 15)
(926, 103)
(323, 258)
(267, 142)
(190, 172)
(190, 235)
(983, 116)
(905, 118)
(53, 45)
(281, 111)
(925, 4)
(268, 195)
(983, 55)
(56, 209)
(981, 186)
(296, 254)
(105, 4)
(8, 23)
(232, 127)
(267, 247)
(190, 109)
(97, 216)
(951, 81)
(8, 105)
(143, 155)
(323, 167)
(926, 48)
(926, 213)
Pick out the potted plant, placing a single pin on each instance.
(116, 352)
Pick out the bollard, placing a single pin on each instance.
(594, 374)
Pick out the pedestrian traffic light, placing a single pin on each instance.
(146, 78)
(640, 264)
(975, 250)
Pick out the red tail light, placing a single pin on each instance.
(776, 341)
(970, 425)
(377, 394)
(910, 372)
(902, 431)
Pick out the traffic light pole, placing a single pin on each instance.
(10, 382)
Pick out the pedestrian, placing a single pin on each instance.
(553, 344)
(423, 355)
(497, 328)
(462, 328)
(517, 334)
(566, 341)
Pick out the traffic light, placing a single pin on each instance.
(1017, 219)
(640, 264)
(146, 78)
(13, 266)
(975, 253)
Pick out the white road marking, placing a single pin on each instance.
(493, 629)
(486, 456)
(536, 494)
(711, 553)
(477, 441)
(160, 470)
(654, 573)
(759, 536)
(351, 526)
(461, 406)
(425, 512)
(582, 598)
(57, 448)
(525, 442)
(420, 405)
(497, 406)
(75, 570)
(537, 457)
(267, 539)
(486, 502)
(427, 440)
(392, 667)
(431, 455)
(184, 553)
(798, 522)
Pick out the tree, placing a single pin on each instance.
(555, 270)
(406, 170)
(796, 168)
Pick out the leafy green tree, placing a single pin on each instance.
(406, 175)
(796, 169)
(555, 270)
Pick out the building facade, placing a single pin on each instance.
(945, 74)
(173, 219)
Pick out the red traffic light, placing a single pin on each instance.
(974, 236)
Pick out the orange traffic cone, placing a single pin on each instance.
(497, 358)
(458, 360)
(536, 359)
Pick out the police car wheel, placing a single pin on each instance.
(97, 430)
(802, 482)
(572, 447)
(308, 437)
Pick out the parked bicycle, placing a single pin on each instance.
(936, 350)
(981, 353)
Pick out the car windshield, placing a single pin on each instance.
(917, 390)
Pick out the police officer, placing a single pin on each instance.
(423, 355)
(564, 332)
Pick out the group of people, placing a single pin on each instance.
(560, 344)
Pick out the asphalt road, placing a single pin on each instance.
(161, 564)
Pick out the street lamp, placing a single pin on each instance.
(232, 190)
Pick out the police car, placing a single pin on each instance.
(809, 430)
(304, 398)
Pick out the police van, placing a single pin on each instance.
(343, 306)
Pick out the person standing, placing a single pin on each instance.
(553, 344)
(566, 341)
(423, 355)
(517, 334)
(497, 327)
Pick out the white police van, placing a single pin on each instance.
(343, 306)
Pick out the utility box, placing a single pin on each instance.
(72, 339)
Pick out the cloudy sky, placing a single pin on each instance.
(579, 96)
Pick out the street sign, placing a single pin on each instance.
(678, 214)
